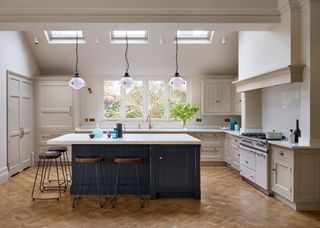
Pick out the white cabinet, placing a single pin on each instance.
(55, 105)
(282, 176)
(236, 101)
(216, 97)
(231, 151)
(211, 146)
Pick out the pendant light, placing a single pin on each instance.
(177, 80)
(77, 82)
(126, 81)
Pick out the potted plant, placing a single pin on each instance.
(183, 112)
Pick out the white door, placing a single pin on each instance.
(225, 98)
(19, 123)
(211, 98)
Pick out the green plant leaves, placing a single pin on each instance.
(183, 112)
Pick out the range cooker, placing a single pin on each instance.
(255, 161)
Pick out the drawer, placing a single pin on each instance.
(248, 173)
(45, 136)
(235, 141)
(248, 159)
(215, 153)
(282, 153)
(209, 137)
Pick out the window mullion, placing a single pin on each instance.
(166, 100)
(123, 104)
(145, 98)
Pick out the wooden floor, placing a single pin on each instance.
(227, 201)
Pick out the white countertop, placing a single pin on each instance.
(127, 139)
(165, 130)
(301, 145)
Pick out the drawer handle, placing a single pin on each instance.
(252, 176)
(274, 170)
(238, 154)
(281, 153)
(247, 162)
(160, 158)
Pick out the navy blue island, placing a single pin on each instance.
(170, 167)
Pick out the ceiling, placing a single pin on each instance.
(156, 58)
(160, 18)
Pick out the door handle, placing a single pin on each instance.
(21, 132)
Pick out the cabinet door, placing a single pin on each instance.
(175, 169)
(261, 171)
(225, 98)
(55, 105)
(235, 157)
(281, 178)
(211, 98)
(237, 102)
(227, 150)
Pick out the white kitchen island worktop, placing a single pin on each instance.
(127, 139)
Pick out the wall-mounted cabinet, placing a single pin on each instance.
(219, 97)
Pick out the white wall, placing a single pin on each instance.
(281, 107)
(14, 56)
(90, 103)
(264, 51)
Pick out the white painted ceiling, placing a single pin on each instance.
(161, 18)
(154, 58)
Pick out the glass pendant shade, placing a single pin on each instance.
(177, 81)
(126, 81)
(77, 82)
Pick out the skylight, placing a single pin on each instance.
(194, 36)
(64, 37)
(134, 36)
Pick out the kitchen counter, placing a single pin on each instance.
(301, 145)
(127, 139)
(170, 164)
(166, 130)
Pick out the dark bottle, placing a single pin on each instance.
(297, 132)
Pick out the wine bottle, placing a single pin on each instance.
(297, 132)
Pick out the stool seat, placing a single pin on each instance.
(89, 159)
(49, 155)
(127, 160)
(58, 148)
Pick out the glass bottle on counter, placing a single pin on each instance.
(297, 132)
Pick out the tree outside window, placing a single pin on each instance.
(156, 94)
(134, 101)
(112, 99)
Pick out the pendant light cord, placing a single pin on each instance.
(77, 57)
(177, 65)
(126, 54)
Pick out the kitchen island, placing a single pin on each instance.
(170, 167)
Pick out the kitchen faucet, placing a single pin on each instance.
(149, 121)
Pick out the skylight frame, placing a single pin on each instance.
(196, 39)
(64, 39)
(116, 39)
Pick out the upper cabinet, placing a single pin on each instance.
(55, 105)
(219, 97)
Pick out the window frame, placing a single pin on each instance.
(64, 40)
(195, 40)
(145, 93)
(133, 40)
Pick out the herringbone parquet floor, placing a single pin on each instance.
(227, 201)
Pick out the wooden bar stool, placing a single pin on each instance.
(97, 161)
(127, 160)
(63, 150)
(46, 159)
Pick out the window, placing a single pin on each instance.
(134, 36)
(156, 95)
(134, 101)
(64, 37)
(112, 99)
(194, 36)
(146, 97)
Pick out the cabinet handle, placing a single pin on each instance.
(247, 162)
(160, 158)
(238, 154)
(274, 170)
(281, 153)
(70, 110)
